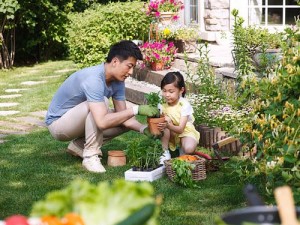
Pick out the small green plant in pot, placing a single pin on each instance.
(153, 99)
(143, 154)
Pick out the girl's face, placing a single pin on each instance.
(171, 93)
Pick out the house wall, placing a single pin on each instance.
(217, 15)
(217, 19)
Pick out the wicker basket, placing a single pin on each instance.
(198, 173)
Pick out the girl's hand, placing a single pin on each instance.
(167, 119)
(162, 126)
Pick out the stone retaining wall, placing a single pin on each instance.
(217, 15)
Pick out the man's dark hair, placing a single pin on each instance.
(123, 50)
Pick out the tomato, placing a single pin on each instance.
(16, 220)
(51, 220)
(72, 219)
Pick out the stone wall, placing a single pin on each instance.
(217, 15)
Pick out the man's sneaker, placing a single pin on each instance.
(165, 156)
(93, 164)
(75, 149)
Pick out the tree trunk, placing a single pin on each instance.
(6, 55)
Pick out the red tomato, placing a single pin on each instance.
(16, 220)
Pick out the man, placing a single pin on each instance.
(79, 110)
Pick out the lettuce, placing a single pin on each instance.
(106, 203)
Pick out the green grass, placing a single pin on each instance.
(35, 164)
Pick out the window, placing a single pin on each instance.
(191, 11)
(273, 12)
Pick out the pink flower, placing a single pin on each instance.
(159, 51)
(158, 6)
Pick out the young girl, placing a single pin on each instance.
(178, 129)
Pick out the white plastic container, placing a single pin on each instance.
(145, 175)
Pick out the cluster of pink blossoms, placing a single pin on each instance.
(159, 52)
(156, 7)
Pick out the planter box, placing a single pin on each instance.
(145, 175)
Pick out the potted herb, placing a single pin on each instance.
(143, 155)
(153, 99)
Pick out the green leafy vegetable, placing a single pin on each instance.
(102, 204)
(183, 173)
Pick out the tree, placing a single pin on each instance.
(8, 9)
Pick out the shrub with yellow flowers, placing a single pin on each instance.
(274, 129)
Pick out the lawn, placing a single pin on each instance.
(34, 164)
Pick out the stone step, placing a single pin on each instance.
(136, 90)
(146, 80)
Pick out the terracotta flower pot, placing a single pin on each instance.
(156, 66)
(116, 158)
(152, 124)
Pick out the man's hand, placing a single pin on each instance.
(149, 135)
(147, 110)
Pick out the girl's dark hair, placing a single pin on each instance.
(173, 77)
(123, 50)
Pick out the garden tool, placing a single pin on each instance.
(286, 206)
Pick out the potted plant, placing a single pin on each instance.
(254, 48)
(164, 11)
(186, 38)
(143, 155)
(158, 55)
(153, 99)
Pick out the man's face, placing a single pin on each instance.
(123, 69)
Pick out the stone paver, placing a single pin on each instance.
(54, 76)
(30, 83)
(8, 112)
(16, 90)
(8, 104)
(11, 96)
(16, 126)
(31, 120)
(64, 70)
(40, 114)
(8, 132)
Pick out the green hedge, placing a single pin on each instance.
(91, 33)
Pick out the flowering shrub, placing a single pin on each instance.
(159, 52)
(217, 112)
(156, 7)
(177, 31)
(274, 130)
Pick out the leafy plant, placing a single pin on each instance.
(250, 40)
(187, 33)
(153, 98)
(92, 32)
(183, 172)
(274, 129)
(143, 154)
(97, 203)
